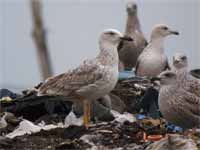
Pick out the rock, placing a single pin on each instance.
(116, 103)
(112, 101)
(105, 101)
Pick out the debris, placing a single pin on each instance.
(126, 74)
(71, 119)
(7, 93)
(173, 142)
(128, 91)
(25, 127)
(154, 137)
(51, 123)
(171, 128)
(149, 103)
(6, 99)
(121, 118)
(140, 116)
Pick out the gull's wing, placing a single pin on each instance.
(188, 106)
(69, 83)
(193, 84)
(137, 66)
(192, 103)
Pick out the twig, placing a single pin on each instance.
(39, 37)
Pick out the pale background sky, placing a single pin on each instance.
(73, 27)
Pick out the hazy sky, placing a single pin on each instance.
(73, 27)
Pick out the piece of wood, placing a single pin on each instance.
(39, 37)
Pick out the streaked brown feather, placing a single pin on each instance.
(68, 83)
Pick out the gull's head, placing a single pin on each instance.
(180, 60)
(167, 78)
(131, 7)
(162, 30)
(112, 37)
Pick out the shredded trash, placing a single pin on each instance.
(71, 119)
(173, 142)
(121, 118)
(49, 123)
(25, 127)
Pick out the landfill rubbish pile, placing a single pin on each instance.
(49, 123)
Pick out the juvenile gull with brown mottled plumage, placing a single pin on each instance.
(185, 78)
(177, 105)
(92, 79)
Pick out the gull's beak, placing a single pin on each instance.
(126, 38)
(177, 60)
(174, 32)
(155, 79)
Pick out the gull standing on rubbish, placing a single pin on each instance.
(177, 105)
(152, 61)
(92, 79)
(185, 79)
(130, 50)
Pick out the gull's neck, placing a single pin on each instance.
(167, 90)
(182, 72)
(108, 55)
(183, 69)
(132, 24)
(157, 43)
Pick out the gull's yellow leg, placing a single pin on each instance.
(89, 111)
(85, 114)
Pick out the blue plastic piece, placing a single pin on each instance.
(126, 74)
(140, 116)
(172, 128)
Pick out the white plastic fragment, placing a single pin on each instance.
(45, 127)
(138, 86)
(71, 119)
(88, 139)
(121, 118)
(28, 127)
(25, 127)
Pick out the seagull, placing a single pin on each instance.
(152, 61)
(185, 79)
(130, 50)
(92, 79)
(180, 62)
(177, 105)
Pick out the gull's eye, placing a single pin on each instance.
(184, 58)
(111, 33)
(165, 28)
(168, 75)
(134, 6)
